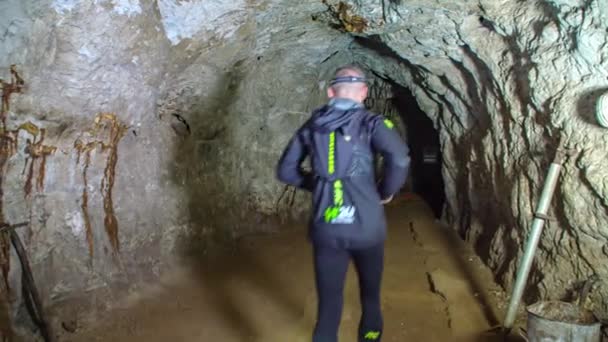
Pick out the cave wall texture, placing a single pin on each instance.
(205, 94)
(503, 81)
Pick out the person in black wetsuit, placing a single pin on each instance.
(347, 220)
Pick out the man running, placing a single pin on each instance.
(347, 218)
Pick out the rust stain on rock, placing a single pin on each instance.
(350, 22)
(84, 206)
(27, 187)
(37, 151)
(105, 124)
(8, 147)
(117, 131)
(7, 150)
(15, 86)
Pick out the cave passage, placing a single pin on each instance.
(140, 141)
(423, 141)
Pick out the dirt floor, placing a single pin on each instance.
(434, 289)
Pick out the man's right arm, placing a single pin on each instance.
(387, 141)
(289, 169)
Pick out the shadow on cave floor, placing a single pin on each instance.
(264, 291)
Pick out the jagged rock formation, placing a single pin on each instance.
(206, 93)
(504, 81)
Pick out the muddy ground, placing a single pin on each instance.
(434, 289)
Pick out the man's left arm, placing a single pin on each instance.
(289, 169)
(388, 142)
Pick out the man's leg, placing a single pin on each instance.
(331, 265)
(370, 264)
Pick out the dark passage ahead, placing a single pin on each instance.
(423, 141)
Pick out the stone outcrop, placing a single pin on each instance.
(504, 81)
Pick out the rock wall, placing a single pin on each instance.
(148, 130)
(88, 102)
(504, 81)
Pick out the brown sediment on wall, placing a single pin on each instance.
(8, 141)
(116, 130)
(350, 22)
(16, 86)
(37, 153)
(85, 149)
(27, 187)
(36, 150)
(84, 206)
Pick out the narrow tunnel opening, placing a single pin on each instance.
(426, 179)
(397, 103)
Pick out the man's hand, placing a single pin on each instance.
(385, 201)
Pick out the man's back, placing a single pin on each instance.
(340, 139)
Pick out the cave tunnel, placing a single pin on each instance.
(425, 152)
(139, 141)
(425, 177)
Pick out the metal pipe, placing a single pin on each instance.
(537, 228)
(7, 227)
(30, 290)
